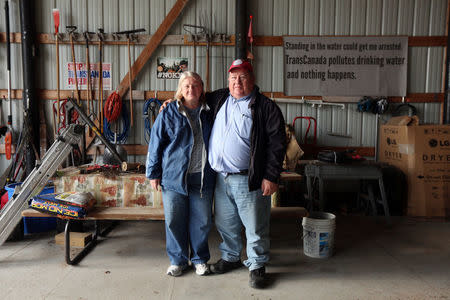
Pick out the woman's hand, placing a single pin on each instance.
(156, 184)
(165, 104)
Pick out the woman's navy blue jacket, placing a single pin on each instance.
(170, 147)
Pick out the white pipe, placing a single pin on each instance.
(312, 102)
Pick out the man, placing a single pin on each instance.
(247, 148)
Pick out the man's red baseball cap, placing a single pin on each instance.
(240, 63)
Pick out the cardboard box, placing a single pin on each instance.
(422, 152)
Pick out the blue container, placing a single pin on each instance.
(30, 224)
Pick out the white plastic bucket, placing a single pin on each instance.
(318, 234)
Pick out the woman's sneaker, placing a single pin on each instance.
(201, 269)
(175, 271)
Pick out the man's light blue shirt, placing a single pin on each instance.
(229, 144)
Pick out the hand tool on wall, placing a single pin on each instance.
(88, 68)
(55, 13)
(72, 30)
(206, 24)
(100, 83)
(194, 39)
(195, 32)
(208, 43)
(250, 39)
(224, 74)
(130, 76)
(128, 34)
(8, 135)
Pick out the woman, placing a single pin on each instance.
(177, 162)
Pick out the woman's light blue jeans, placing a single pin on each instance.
(235, 207)
(188, 222)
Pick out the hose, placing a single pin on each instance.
(150, 104)
(110, 135)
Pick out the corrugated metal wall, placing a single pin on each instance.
(271, 17)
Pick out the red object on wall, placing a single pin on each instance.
(4, 199)
(250, 31)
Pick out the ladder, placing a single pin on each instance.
(11, 214)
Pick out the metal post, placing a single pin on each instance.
(30, 98)
(241, 29)
(446, 112)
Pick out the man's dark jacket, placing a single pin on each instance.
(268, 136)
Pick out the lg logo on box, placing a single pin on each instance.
(391, 141)
(434, 143)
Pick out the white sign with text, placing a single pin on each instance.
(345, 66)
(82, 76)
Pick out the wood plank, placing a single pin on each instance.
(165, 95)
(427, 41)
(2, 149)
(188, 42)
(268, 41)
(152, 45)
(178, 40)
(410, 98)
(141, 39)
(413, 41)
(419, 98)
(109, 39)
(290, 176)
(150, 213)
(112, 213)
(142, 150)
(15, 94)
(51, 94)
(15, 37)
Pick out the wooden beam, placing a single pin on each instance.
(152, 45)
(413, 41)
(410, 98)
(427, 41)
(188, 42)
(14, 37)
(164, 95)
(112, 213)
(15, 94)
(137, 149)
(420, 98)
(179, 39)
(110, 39)
(2, 149)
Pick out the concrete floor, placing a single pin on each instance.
(410, 260)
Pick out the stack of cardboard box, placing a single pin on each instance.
(422, 152)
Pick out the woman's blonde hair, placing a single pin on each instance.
(185, 75)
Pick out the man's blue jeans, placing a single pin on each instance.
(188, 222)
(235, 207)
